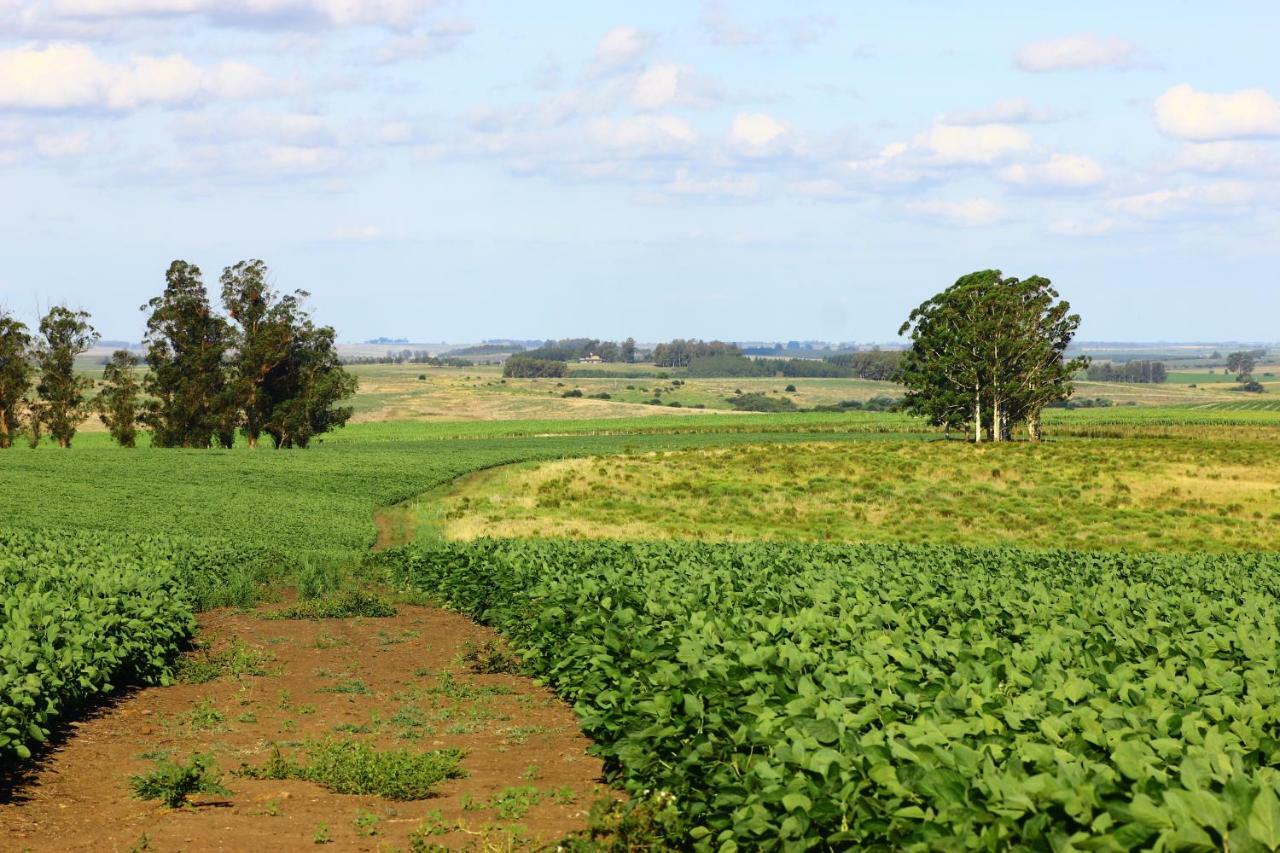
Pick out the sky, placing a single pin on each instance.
(460, 170)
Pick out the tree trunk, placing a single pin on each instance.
(977, 415)
(1033, 426)
(997, 425)
(252, 440)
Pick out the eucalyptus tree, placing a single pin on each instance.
(989, 352)
(187, 343)
(118, 402)
(15, 376)
(64, 335)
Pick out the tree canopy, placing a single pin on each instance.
(989, 353)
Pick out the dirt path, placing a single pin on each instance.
(397, 682)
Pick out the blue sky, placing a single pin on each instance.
(451, 169)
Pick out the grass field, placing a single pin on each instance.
(1121, 495)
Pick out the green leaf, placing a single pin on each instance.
(1264, 818)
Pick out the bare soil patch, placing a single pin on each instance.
(393, 683)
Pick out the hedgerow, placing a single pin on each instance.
(895, 697)
(81, 614)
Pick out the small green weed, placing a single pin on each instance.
(489, 657)
(173, 784)
(350, 767)
(344, 605)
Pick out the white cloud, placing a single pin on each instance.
(1225, 198)
(724, 187)
(1096, 227)
(392, 14)
(433, 41)
(291, 127)
(966, 213)
(949, 145)
(666, 84)
(643, 136)
(57, 145)
(1223, 158)
(1061, 171)
(1184, 113)
(356, 233)
(72, 76)
(1003, 111)
(284, 160)
(723, 29)
(757, 134)
(622, 47)
(1074, 53)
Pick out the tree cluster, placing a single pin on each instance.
(263, 369)
(572, 349)
(405, 356)
(989, 353)
(527, 367)
(1242, 364)
(680, 352)
(1139, 372)
(39, 388)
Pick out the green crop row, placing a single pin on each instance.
(83, 613)
(894, 697)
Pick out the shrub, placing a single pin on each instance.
(173, 784)
(351, 767)
(524, 367)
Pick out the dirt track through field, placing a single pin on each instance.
(395, 683)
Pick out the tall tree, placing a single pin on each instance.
(64, 334)
(307, 387)
(118, 401)
(15, 376)
(994, 345)
(266, 323)
(186, 346)
(629, 350)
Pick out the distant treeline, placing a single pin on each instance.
(1146, 372)
(875, 364)
(680, 352)
(573, 349)
(410, 357)
(486, 349)
(527, 367)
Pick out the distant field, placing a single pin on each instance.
(1119, 494)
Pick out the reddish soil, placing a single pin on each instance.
(399, 683)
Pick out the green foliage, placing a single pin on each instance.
(527, 367)
(186, 382)
(900, 697)
(172, 784)
(345, 605)
(15, 376)
(64, 334)
(351, 767)
(761, 403)
(489, 657)
(118, 403)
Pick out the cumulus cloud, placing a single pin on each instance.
(950, 145)
(758, 134)
(1223, 158)
(1060, 171)
(72, 76)
(622, 47)
(1095, 227)
(668, 84)
(1003, 111)
(1075, 53)
(289, 127)
(1184, 113)
(643, 136)
(966, 213)
(433, 41)
(1227, 198)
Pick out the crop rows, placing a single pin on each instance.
(894, 697)
(83, 613)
